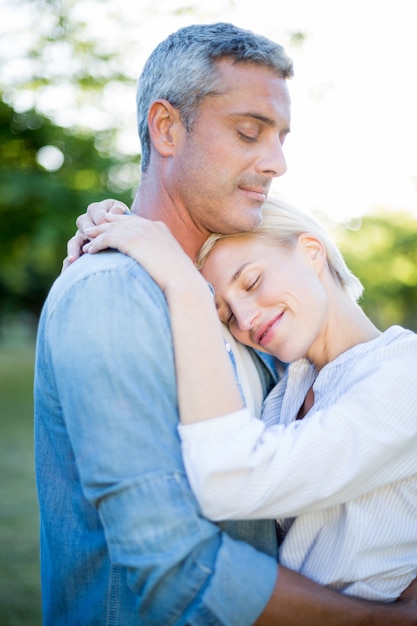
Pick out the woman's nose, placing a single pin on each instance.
(246, 318)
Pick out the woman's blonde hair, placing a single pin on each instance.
(282, 224)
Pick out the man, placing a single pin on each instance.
(122, 538)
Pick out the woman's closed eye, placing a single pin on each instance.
(252, 282)
(230, 318)
(224, 312)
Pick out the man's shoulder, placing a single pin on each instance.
(109, 262)
(108, 276)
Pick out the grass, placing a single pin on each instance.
(19, 526)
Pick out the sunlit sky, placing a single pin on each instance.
(353, 144)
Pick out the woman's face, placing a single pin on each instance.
(272, 298)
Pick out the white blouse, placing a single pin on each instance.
(347, 472)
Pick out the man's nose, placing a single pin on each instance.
(272, 160)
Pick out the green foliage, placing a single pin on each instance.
(58, 45)
(38, 207)
(19, 526)
(54, 66)
(383, 254)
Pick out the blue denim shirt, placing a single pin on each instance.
(122, 538)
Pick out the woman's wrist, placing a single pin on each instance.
(189, 284)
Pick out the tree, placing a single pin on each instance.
(382, 252)
(58, 143)
(48, 175)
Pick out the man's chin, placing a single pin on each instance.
(249, 222)
(246, 220)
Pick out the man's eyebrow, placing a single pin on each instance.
(259, 118)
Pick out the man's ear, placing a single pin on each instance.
(314, 249)
(164, 124)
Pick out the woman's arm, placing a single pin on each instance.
(241, 470)
(206, 382)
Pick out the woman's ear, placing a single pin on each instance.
(314, 250)
(164, 123)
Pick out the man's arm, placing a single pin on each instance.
(114, 368)
(297, 600)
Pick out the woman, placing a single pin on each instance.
(334, 457)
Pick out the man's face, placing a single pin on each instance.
(223, 168)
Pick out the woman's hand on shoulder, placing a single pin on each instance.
(150, 243)
(96, 213)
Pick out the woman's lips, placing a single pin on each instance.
(266, 332)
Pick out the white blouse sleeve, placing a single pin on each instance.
(239, 469)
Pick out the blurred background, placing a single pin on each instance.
(68, 71)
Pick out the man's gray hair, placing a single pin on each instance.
(182, 69)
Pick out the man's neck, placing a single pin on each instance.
(158, 207)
